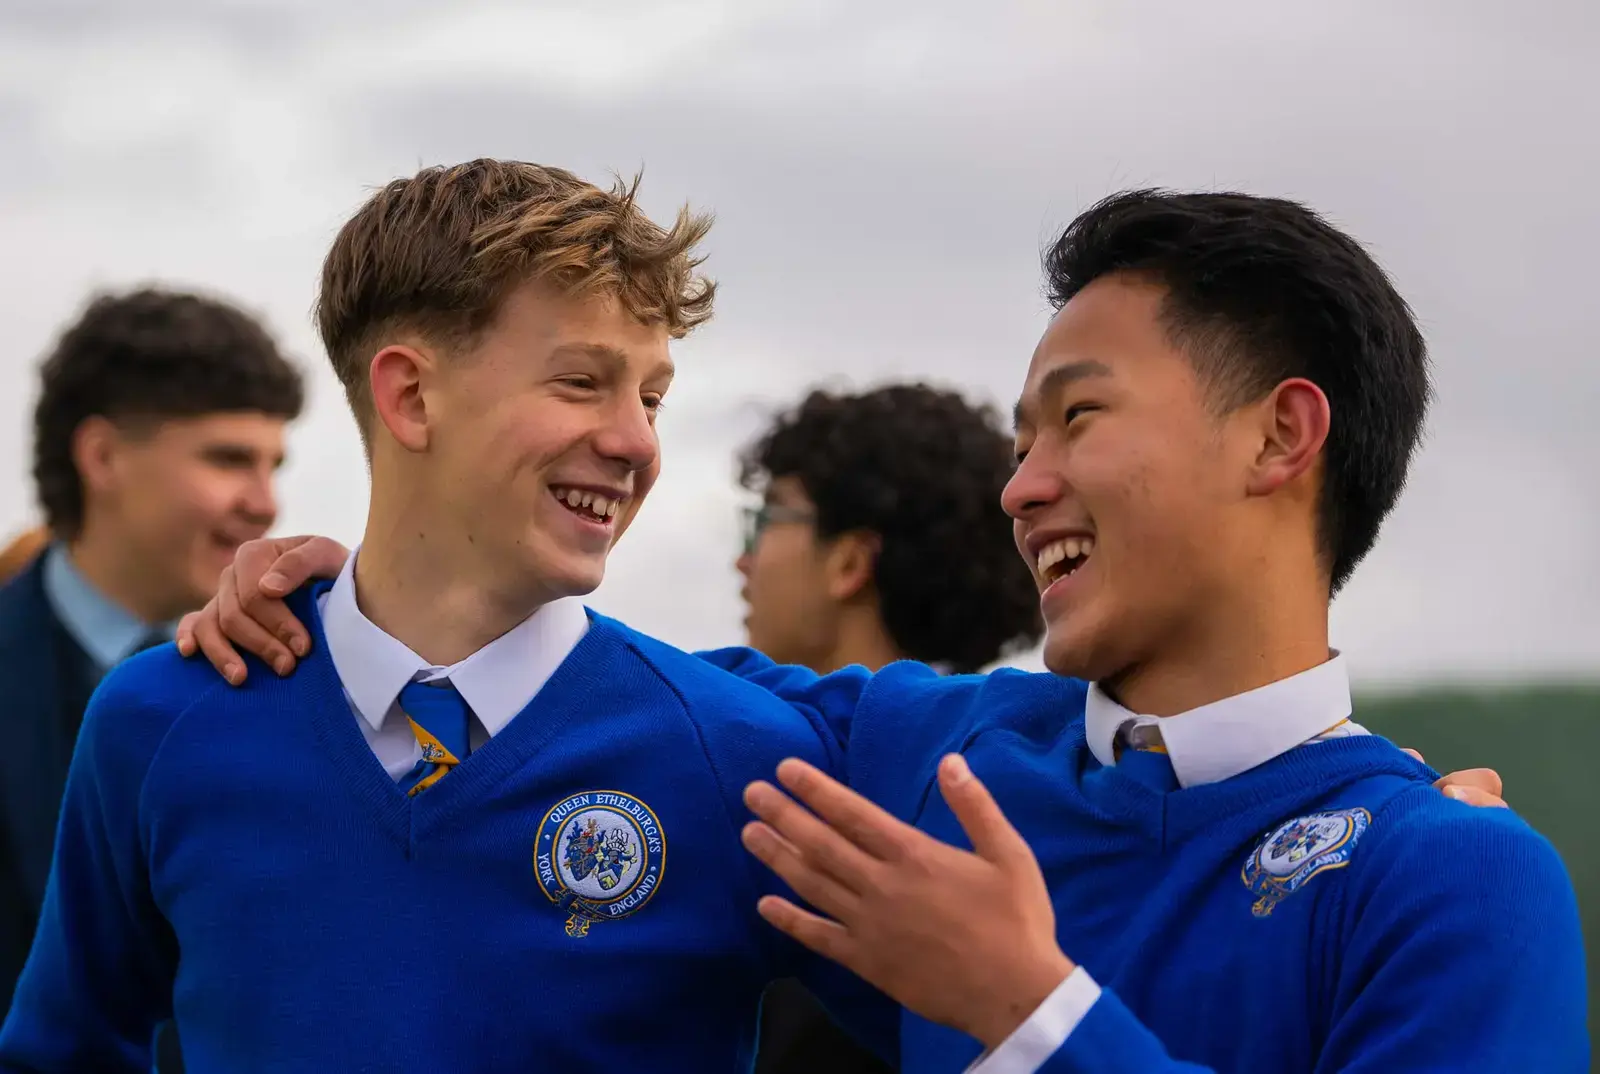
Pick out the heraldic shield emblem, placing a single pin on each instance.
(1293, 853)
(599, 857)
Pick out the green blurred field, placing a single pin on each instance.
(1545, 742)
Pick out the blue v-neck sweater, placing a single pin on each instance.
(240, 857)
(1328, 911)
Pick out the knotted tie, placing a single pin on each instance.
(1142, 755)
(439, 718)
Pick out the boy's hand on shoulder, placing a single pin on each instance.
(249, 607)
(1474, 786)
(967, 939)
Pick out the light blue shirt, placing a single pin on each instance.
(108, 632)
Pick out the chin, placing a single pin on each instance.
(574, 579)
(1077, 650)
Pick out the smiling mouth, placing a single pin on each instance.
(589, 506)
(1063, 558)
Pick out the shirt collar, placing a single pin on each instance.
(497, 681)
(1221, 740)
(106, 630)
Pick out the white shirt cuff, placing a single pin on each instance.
(1033, 1042)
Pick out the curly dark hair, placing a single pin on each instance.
(149, 356)
(923, 469)
(1260, 290)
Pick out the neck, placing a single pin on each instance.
(1235, 650)
(429, 588)
(110, 565)
(862, 640)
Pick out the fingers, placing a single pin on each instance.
(827, 938)
(184, 635)
(299, 560)
(205, 633)
(1414, 754)
(268, 570)
(808, 881)
(858, 820)
(245, 628)
(819, 845)
(1474, 797)
(1474, 786)
(992, 836)
(1482, 779)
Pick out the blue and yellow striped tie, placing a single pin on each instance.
(439, 718)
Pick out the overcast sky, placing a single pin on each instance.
(884, 175)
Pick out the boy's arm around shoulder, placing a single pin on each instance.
(830, 699)
(99, 978)
(784, 711)
(893, 725)
(1462, 947)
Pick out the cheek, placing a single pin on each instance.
(778, 568)
(1161, 520)
(516, 432)
(1019, 539)
(645, 480)
(214, 494)
(184, 497)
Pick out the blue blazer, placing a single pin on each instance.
(48, 681)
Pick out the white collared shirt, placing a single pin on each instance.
(497, 681)
(1228, 737)
(1205, 745)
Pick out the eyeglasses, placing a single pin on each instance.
(757, 519)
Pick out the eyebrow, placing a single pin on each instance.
(1057, 380)
(614, 357)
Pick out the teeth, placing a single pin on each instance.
(1068, 548)
(599, 504)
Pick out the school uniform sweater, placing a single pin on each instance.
(1325, 911)
(572, 896)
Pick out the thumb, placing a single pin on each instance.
(992, 836)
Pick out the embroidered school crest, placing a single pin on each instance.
(599, 857)
(1293, 853)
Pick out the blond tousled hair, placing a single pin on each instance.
(436, 254)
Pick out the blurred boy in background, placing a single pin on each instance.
(157, 434)
(877, 540)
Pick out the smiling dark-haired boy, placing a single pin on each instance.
(1226, 873)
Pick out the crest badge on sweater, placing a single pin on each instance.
(1294, 852)
(599, 857)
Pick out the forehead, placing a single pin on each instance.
(247, 429)
(788, 491)
(596, 326)
(1112, 330)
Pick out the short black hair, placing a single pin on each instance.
(150, 355)
(1259, 290)
(922, 469)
